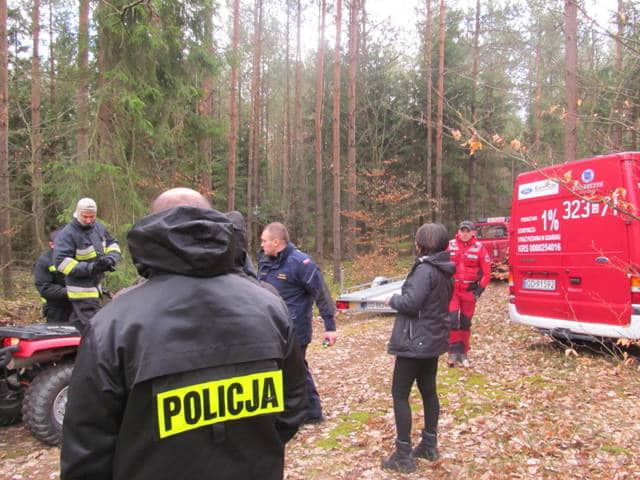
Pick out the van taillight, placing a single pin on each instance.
(634, 282)
(512, 297)
(342, 305)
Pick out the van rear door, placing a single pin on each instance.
(570, 251)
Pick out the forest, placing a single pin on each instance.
(352, 142)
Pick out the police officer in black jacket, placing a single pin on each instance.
(193, 374)
(50, 284)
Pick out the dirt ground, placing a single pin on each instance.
(526, 409)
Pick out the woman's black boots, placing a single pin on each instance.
(400, 460)
(428, 447)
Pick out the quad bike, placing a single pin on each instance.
(36, 362)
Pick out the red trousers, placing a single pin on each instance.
(461, 308)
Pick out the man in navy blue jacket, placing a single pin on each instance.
(299, 282)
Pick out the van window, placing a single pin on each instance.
(491, 231)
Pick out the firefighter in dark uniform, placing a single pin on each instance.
(299, 282)
(50, 284)
(194, 373)
(473, 274)
(83, 252)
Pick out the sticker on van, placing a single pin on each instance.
(541, 188)
(587, 176)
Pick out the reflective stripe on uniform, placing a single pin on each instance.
(77, 293)
(43, 300)
(52, 268)
(67, 265)
(195, 406)
(86, 253)
(114, 247)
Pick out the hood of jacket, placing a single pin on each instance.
(183, 240)
(441, 260)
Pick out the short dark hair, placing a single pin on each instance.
(278, 230)
(53, 234)
(432, 238)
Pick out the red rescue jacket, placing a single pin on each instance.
(472, 261)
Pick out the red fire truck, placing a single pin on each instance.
(575, 248)
(493, 233)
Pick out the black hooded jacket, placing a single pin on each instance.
(193, 374)
(421, 329)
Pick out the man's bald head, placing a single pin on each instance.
(179, 197)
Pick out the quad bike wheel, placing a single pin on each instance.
(45, 401)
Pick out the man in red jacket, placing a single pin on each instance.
(473, 273)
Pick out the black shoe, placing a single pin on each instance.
(427, 448)
(453, 359)
(314, 420)
(400, 460)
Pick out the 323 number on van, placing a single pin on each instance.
(575, 209)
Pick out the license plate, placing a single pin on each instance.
(545, 284)
(374, 306)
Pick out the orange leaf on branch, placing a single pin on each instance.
(474, 145)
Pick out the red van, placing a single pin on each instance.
(493, 233)
(575, 248)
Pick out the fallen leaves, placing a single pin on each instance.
(525, 410)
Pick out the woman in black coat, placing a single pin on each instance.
(420, 335)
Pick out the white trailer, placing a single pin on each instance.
(370, 297)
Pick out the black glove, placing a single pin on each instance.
(111, 263)
(476, 289)
(104, 264)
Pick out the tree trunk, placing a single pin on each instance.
(571, 51)
(52, 60)
(5, 196)
(618, 106)
(364, 36)
(299, 158)
(205, 107)
(428, 47)
(337, 205)
(233, 109)
(37, 209)
(82, 94)
(440, 113)
(536, 109)
(352, 186)
(286, 128)
(474, 91)
(318, 136)
(254, 129)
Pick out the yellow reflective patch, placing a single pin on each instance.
(195, 406)
(69, 266)
(86, 256)
(112, 248)
(78, 295)
(52, 268)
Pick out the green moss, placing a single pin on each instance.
(467, 394)
(347, 424)
(615, 449)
